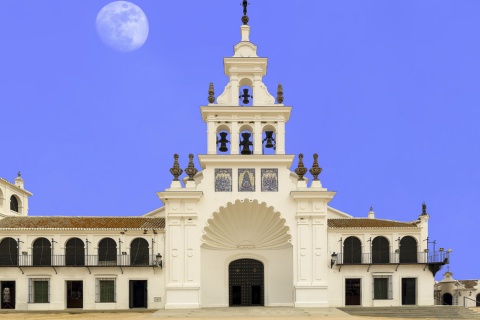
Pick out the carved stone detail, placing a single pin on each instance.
(176, 171)
(315, 170)
(211, 93)
(280, 93)
(190, 170)
(300, 170)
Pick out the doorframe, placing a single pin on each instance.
(146, 287)
(230, 259)
(15, 294)
(65, 293)
(416, 290)
(344, 300)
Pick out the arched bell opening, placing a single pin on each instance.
(223, 139)
(245, 96)
(246, 140)
(269, 141)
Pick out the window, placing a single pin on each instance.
(380, 250)
(408, 250)
(139, 252)
(39, 290)
(382, 287)
(8, 252)
(75, 252)
(14, 203)
(42, 252)
(352, 250)
(105, 290)
(107, 252)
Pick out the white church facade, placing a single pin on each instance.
(242, 230)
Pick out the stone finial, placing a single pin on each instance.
(190, 170)
(315, 170)
(300, 170)
(176, 171)
(280, 93)
(424, 209)
(245, 17)
(211, 93)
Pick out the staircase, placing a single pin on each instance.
(433, 312)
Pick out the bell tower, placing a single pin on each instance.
(246, 119)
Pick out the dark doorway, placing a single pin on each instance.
(8, 294)
(74, 294)
(409, 291)
(138, 294)
(352, 292)
(447, 299)
(478, 300)
(246, 283)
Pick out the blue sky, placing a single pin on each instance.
(386, 92)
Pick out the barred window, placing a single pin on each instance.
(382, 287)
(39, 290)
(105, 290)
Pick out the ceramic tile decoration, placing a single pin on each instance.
(246, 180)
(269, 180)
(223, 180)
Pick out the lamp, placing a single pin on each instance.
(159, 260)
(334, 260)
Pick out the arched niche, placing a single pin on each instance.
(223, 132)
(269, 139)
(15, 204)
(246, 139)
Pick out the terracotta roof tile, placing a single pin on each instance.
(56, 222)
(469, 284)
(369, 223)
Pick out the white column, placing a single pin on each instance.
(280, 138)
(257, 138)
(211, 137)
(234, 139)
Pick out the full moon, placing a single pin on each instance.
(122, 26)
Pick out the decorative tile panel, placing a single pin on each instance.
(246, 180)
(223, 180)
(269, 180)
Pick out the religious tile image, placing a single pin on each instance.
(269, 180)
(246, 180)
(223, 180)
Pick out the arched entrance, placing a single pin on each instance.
(246, 283)
(478, 300)
(447, 299)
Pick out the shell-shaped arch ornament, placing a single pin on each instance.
(246, 224)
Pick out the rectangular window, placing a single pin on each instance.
(39, 290)
(382, 287)
(105, 290)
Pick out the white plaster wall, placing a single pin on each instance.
(278, 270)
(154, 276)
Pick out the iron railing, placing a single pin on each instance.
(440, 257)
(123, 260)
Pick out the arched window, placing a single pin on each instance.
(107, 252)
(448, 299)
(8, 252)
(380, 250)
(352, 250)
(139, 252)
(14, 204)
(42, 252)
(75, 252)
(408, 250)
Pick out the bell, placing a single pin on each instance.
(246, 143)
(245, 96)
(270, 140)
(223, 142)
